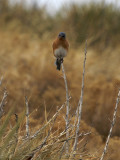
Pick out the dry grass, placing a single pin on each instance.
(27, 65)
(27, 68)
(46, 141)
(26, 72)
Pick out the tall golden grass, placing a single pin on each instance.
(27, 64)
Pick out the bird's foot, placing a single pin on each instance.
(61, 60)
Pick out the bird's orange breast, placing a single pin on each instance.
(60, 43)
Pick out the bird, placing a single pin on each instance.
(60, 49)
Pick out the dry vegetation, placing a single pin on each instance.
(27, 65)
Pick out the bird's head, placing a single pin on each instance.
(62, 35)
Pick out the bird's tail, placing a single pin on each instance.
(58, 63)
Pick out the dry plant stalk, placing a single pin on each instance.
(112, 125)
(3, 102)
(27, 117)
(1, 80)
(15, 139)
(67, 109)
(61, 151)
(80, 103)
(48, 122)
(44, 141)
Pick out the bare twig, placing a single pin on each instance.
(112, 125)
(1, 80)
(80, 102)
(76, 117)
(67, 109)
(71, 137)
(27, 117)
(3, 102)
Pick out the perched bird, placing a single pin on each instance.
(60, 48)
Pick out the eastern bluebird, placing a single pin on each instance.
(60, 48)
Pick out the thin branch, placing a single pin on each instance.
(71, 137)
(1, 80)
(27, 117)
(67, 109)
(112, 125)
(3, 102)
(76, 117)
(80, 102)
